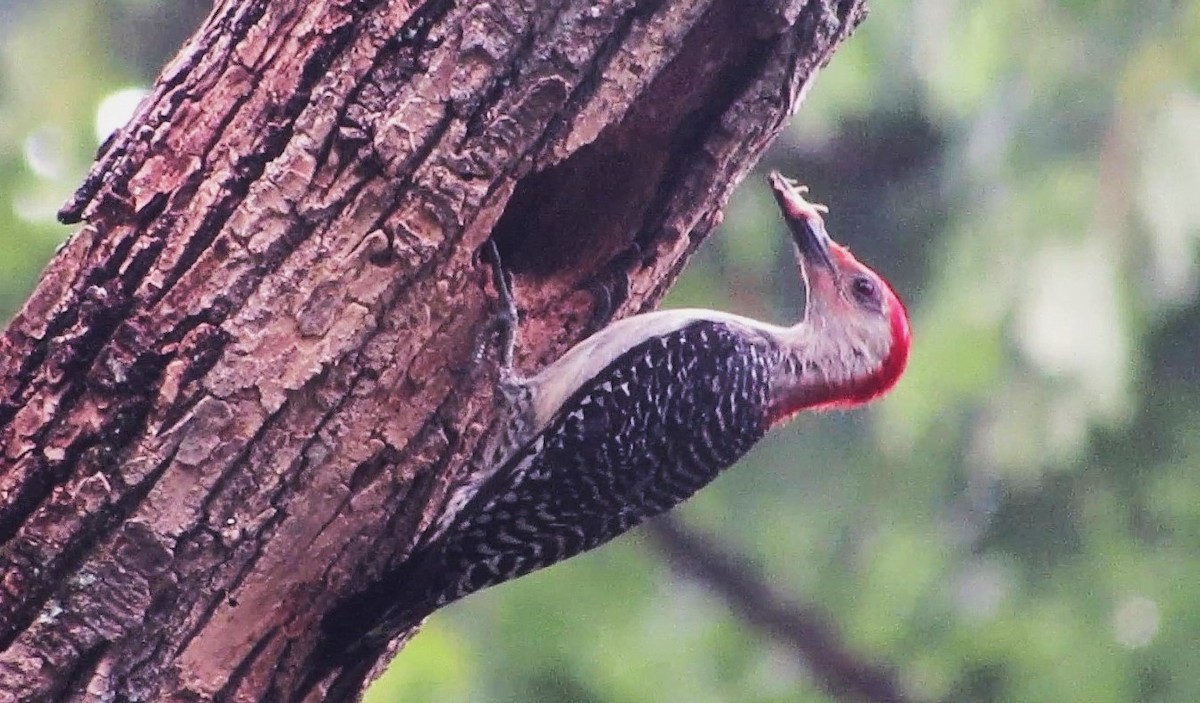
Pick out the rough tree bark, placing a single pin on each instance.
(234, 395)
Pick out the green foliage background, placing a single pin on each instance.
(1019, 521)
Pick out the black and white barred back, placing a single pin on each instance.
(659, 423)
(644, 435)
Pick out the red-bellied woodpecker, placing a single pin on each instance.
(634, 420)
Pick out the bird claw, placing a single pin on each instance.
(505, 318)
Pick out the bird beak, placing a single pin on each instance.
(805, 221)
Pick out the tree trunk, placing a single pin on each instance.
(237, 393)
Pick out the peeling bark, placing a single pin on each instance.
(237, 395)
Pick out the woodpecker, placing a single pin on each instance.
(634, 420)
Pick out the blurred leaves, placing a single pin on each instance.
(1019, 521)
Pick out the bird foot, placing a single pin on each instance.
(504, 319)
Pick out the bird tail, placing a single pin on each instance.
(357, 632)
(347, 657)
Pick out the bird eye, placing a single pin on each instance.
(865, 291)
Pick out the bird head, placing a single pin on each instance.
(853, 342)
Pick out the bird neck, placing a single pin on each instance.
(822, 369)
